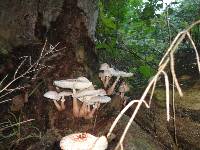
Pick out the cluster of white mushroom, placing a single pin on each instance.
(82, 90)
(107, 73)
(83, 141)
(89, 96)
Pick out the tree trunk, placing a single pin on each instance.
(24, 27)
(25, 24)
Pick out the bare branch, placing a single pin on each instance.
(3, 79)
(152, 91)
(174, 74)
(7, 100)
(19, 67)
(19, 123)
(195, 49)
(34, 67)
(167, 93)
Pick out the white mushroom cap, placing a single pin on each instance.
(73, 84)
(107, 73)
(112, 70)
(101, 75)
(121, 73)
(53, 95)
(83, 141)
(86, 99)
(83, 79)
(64, 93)
(91, 100)
(100, 99)
(87, 92)
(101, 143)
(104, 66)
(90, 87)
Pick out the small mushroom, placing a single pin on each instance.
(89, 114)
(100, 99)
(85, 96)
(102, 77)
(110, 91)
(101, 143)
(107, 74)
(73, 83)
(96, 100)
(85, 110)
(79, 83)
(53, 95)
(76, 108)
(104, 66)
(88, 92)
(62, 96)
(83, 141)
(123, 89)
(118, 74)
(121, 73)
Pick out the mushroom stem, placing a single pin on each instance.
(106, 82)
(90, 114)
(63, 103)
(75, 107)
(83, 110)
(112, 88)
(57, 105)
(102, 77)
(122, 94)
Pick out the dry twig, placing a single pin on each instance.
(33, 68)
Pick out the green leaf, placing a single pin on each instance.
(108, 22)
(101, 45)
(146, 71)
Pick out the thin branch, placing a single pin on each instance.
(3, 79)
(121, 114)
(141, 101)
(44, 46)
(152, 91)
(19, 67)
(195, 49)
(174, 112)
(4, 101)
(171, 47)
(167, 94)
(36, 66)
(19, 123)
(174, 74)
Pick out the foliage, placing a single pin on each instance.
(133, 34)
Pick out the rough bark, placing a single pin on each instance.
(71, 22)
(24, 26)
